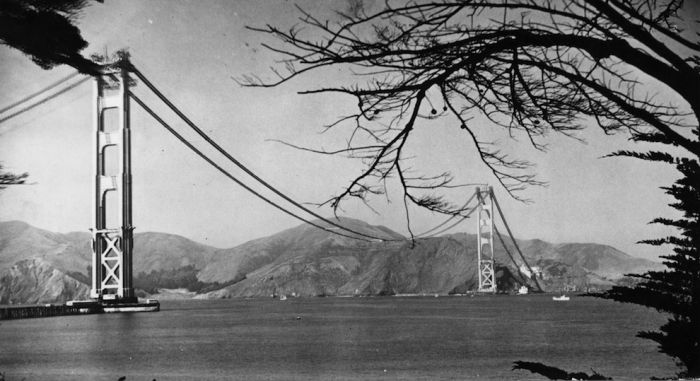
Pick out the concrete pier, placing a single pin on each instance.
(76, 307)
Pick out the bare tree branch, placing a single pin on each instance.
(531, 67)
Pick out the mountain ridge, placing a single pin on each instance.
(302, 261)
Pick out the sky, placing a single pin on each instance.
(192, 51)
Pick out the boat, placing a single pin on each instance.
(283, 297)
(523, 290)
(562, 298)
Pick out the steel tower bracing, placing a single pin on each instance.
(112, 245)
(487, 275)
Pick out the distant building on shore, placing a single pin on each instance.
(536, 271)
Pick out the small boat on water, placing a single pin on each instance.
(562, 298)
(523, 290)
(283, 297)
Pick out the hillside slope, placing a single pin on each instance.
(38, 266)
(41, 266)
(34, 281)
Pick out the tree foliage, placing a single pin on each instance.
(676, 290)
(8, 178)
(45, 31)
(531, 67)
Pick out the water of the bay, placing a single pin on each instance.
(383, 338)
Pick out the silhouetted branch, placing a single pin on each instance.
(530, 67)
(7, 178)
(553, 373)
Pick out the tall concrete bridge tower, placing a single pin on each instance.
(112, 231)
(487, 275)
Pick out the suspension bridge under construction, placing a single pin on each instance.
(112, 288)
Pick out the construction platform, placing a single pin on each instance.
(79, 307)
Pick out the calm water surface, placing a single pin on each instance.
(389, 338)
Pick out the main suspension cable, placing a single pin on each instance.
(449, 219)
(228, 174)
(44, 100)
(462, 218)
(510, 255)
(510, 233)
(39, 92)
(239, 164)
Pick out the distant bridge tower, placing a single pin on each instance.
(487, 275)
(112, 245)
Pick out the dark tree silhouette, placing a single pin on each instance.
(675, 291)
(8, 178)
(553, 373)
(45, 31)
(531, 67)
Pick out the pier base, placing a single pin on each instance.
(79, 307)
(150, 305)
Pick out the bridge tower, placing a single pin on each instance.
(487, 275)
(112, 245)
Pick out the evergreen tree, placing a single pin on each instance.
(675, 290)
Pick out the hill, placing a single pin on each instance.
(306, 261)
(41, 266)
(52, 260)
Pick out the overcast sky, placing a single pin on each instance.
(191, 50)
